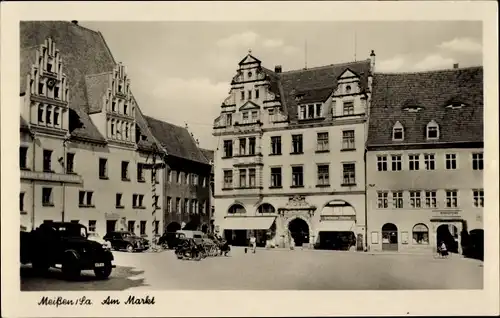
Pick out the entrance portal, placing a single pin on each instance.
(389, 237)
(299, 231)
(448, 233)
(110, 226)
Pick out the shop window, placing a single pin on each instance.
(420, 234)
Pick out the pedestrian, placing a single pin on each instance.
(292, 244)
(443, 250)
(253, 243)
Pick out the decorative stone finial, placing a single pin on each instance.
(249, 51)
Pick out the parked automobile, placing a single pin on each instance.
(93, 236)
(65, 246)
(196, 235)
(126, 240)
(170, 240)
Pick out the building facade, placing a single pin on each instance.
(289, 167)
(85, 145)
(425, 160)
(186, 187)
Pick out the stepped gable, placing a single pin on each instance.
(452, 98)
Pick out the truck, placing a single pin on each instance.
(65, 245)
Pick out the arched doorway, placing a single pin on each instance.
(448, 233)
(173, 227)
(475, 248)
(389, 237)
(191, 226)
(337, 227)
(299, 230)
(236, 237)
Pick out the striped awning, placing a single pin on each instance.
(247, 223)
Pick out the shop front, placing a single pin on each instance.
(238, 229)
(337, 226)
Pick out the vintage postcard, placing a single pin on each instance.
(249, 159)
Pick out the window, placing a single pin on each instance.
(322, 140)
(257, 93)
(228, 179)
(118, 202)
(430, 199)
(297, 176)
(140, 173)
(229, 119)
(302, 112)
(251, 178)
(451, 198)
(310, 111)
(382, 163)
(432, 130)
(297, 144)
(276, 145)
(156, 227)
(348, 139)
(142, 227)
(103, 169)
(255, 115)
(348, 108)
(56, 117)
(125, 171)
(397, 199)
(348, 89)
(415, 201)
(249, 94)
(141, 199)
(113, 106)
(169, 204)
(414, 162)
(47, 160)
(131, 226)
(251, 146)
(451, 161)
(179, 176)
(478, 198)
(242, 95)
(319, 111)
(178, 205)
(47, 197)
(430, 161)
(56, 92)
(186, 206)
(92, 226)
(40, 113)
(276, 177)
(70, 162)
(243, 146)
(228, 148)
(112, 128)
(270, 111)
(396, 163)
(85, 198)
(477, 161)
(40, 89)
(23, 157)
(382, 202)
(21, 201)
(420, 234)
(48, 115)
(245, 116)
(169, 175)
(243, 178)
(125, 109)
(349, 173)
(323, 175)
(397, 132)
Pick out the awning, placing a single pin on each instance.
(248, 223)
(337, 226)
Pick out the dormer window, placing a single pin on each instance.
(310, 111)
(249, 74)
(348, 89)
(49, 67)
(432, 130)
(411, 106)
(398, 132)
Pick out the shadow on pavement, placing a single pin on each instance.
(120, 279)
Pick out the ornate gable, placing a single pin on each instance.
(249, 105)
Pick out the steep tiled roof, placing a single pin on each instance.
(209, 155)
(177, 140)
(318, 83)
(96, 85)
(430, 93)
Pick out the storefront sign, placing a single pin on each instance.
(111, 215)
(51, 177)
(337, 217)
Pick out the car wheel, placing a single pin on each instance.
(130, 248)
(70, 267)
(103, 273)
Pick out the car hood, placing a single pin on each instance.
(82, 242)
(97, 239)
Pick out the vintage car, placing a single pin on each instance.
(65, 246)
(125, 240)
(170, 240)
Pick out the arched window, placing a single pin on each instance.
(432, 130)
(266, 208)
(398, 132)
(420, 234)
(348, 89)
(236, 208)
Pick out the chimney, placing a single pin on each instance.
(372, 62)
(75, 22)
(455, 66)
(277, 69)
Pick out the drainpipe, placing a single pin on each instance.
(366, 205)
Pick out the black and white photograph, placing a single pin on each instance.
(244, 155)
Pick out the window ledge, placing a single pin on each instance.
(25, 169)
(71, 172)
(296, 186)
(275, 154)
(276, 187)
(226, 189)
(103, 178)
(348, 185)
(120, 207)
(226, 157)
(48, 171)
(86, 206)
(126, 179)
(48, 204)
(23, 212)
(141, 180)
(296, 153)
(139, 207)
(347, 149)
(322, 151)
(323, 185)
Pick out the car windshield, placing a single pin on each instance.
(72, 230)
(129, 234)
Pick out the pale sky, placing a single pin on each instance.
(180, 71)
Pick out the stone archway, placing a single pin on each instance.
(299, 231)
(389, 237)
(448, 233)
(173, 227)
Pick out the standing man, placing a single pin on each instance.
(253, 242)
